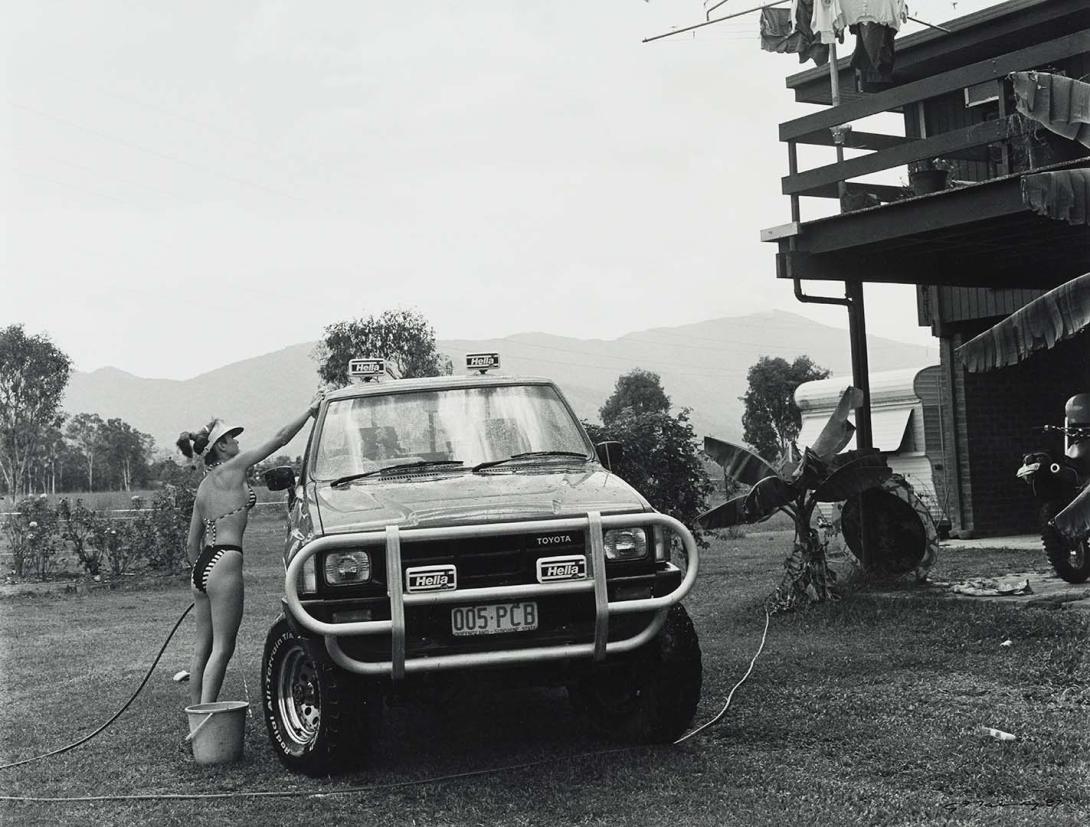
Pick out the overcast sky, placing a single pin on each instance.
(189, 184)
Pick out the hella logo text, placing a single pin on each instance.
(568, 567)
(431, 578)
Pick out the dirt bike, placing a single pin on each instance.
(1056, 482)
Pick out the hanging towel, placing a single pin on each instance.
(778, 32)
(873, 56)
(784, 31)
(1060, 104)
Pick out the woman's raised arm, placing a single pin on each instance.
(246, 459)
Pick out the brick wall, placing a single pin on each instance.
(993, 415)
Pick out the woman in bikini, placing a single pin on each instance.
(220, 511)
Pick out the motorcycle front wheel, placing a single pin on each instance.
(1071, 562)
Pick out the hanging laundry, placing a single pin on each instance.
(802, 12)
(891, 13)
(873, 56)
(828, 21)
(778, 32)
(832, 17)
(784, 32)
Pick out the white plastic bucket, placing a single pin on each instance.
(216, 731)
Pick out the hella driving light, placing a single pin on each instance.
(308, 577)
(343, 568)
(625, 543)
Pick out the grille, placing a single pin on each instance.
(493, 561)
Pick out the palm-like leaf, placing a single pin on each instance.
(732, 512)
(860, 471)
(767, 496)
(1074, 521)
(811, 471)
(838, 431)
(740, 464)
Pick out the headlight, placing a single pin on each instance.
(625, 543)
(308, 577)
(343, 568)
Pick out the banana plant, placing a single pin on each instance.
(822, 474)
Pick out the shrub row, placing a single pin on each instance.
(151, 538)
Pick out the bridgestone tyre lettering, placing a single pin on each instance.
(313, 709)
(1070, 563)
(653, 697)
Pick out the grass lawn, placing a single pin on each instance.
(863, 711)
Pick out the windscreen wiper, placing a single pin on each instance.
(529, 455)
(377, 472)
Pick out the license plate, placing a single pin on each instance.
(494, 618)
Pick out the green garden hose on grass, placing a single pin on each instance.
(117, 714)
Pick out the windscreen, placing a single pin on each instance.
(468, 425)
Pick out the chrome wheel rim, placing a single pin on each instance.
(298, 698)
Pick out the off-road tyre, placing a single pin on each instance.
(650, 698)
(314, 711)
(1070, 563)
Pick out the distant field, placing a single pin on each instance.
(119, 500)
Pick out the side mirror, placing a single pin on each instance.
(609, 453)
(280, 479)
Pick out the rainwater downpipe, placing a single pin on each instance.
(853, 296)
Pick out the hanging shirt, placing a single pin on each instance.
(889, 13)
(828, 21)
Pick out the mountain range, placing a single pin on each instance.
(703, 367)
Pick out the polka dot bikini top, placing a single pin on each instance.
(210, 525)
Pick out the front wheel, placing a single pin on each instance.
(311, 711)
(652, 697)
(1071, 562)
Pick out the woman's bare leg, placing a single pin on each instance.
(202, 611)
(225, 597)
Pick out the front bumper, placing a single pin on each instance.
(572, 627)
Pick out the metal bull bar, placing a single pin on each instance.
(593, 524)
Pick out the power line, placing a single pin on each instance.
(78, 188)
(153, 152)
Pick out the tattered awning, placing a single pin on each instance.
(1060, 104)
(1057, 315)
(1062, 195)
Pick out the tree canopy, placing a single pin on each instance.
(33, 375)
(638, 391)
(403, 336)
(661, 461)
(771, 420)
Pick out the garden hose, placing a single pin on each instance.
(117, 714)
(726, 706)
(344, 791)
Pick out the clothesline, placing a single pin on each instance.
(757, 9)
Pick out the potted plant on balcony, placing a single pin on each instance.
(929, 175)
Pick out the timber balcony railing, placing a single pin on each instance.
(996, 140)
